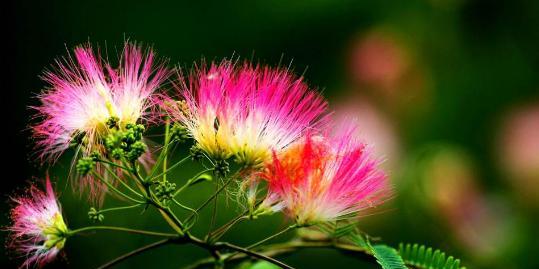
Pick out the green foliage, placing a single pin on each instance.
(338, 229)
(387, 257)
(359, 240)
(426, 258)
(345, 230)
(258, 265)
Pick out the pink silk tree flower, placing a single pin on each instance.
(325, 178)
(38, 232)
(86, 95)
(246, 110)
(87, 99)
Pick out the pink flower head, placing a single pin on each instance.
(86, 92)
(325, 178)
(246, 110)
(38, 231)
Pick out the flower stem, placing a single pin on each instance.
(123, 183)
(115, 189)
(165, 149)
(113, 164)
(170, 168)
(118, 208)
(264, 240)
(219, 190)
(188, 183)
(219, 232)
(272, 236)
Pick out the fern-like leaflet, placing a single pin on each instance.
(423, 257)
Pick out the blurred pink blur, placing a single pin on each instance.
(382, 66)
(518, 148)
(480, 223)
(375, 128)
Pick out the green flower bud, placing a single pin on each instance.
(112, 122)
(85, 165)
(221, 168)
(179, 133)
(165, 191)
(136, 150)
(196, 153)
(95, 156)
(117, 153)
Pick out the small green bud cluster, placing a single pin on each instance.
(196, 153)
(95, 156)
(222, 168)
(85, 165)
(113, 122)
(179, 133)
(127, 143)
(95, 215)
(164, 191)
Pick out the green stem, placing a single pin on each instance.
(213, 215)
(218, 233)
(115, 189)
(165, 149)
(191, 181)
(167, 214)
(121, 229)
(183, 206)
(265, 239)
(219, 190)
(122, 182)
(118, 208)
(113, 164)
(272, 236)
(137, 174)
(170, 168)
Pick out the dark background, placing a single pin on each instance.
(452, 72)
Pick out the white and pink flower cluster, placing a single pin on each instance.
(269, 120)
(38, 231)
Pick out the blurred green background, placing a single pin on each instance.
(446, 90)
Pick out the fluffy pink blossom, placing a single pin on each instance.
(38, 232)
(85, 91)
(246, 110)
(325, 178)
